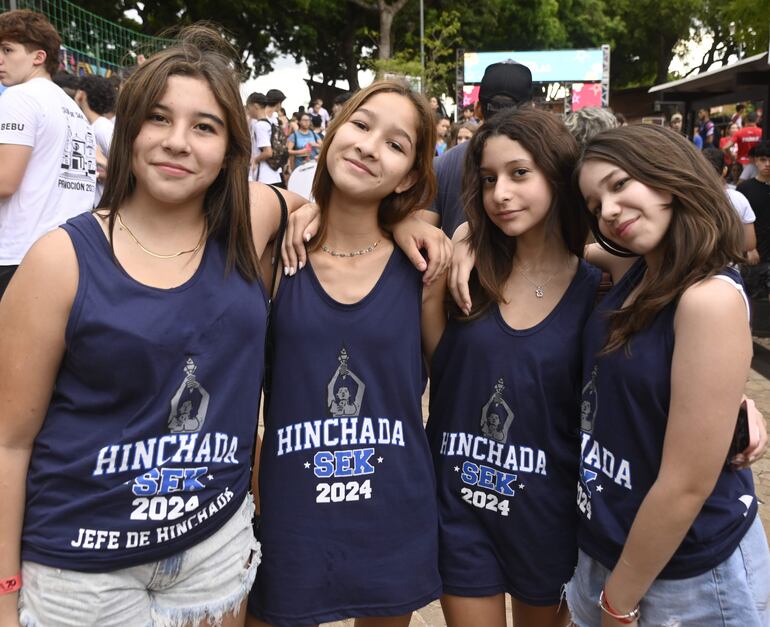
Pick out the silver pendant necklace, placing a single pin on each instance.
(539, 287)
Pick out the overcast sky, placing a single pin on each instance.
(289, 76)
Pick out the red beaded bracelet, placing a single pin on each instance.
(625, 619)
(11, 584)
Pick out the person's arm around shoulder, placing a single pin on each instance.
(463, 260)
(606, 261)
(411, 235)
(414, 234)
(266, 213)
(33, 317)
(433, 322)
(710, 364)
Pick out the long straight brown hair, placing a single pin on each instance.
(395, 207)
(705, 233)
(200, 52)
(555, 152)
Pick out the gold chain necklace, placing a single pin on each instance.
(156, 255)
(355, 253)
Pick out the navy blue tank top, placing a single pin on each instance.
(624, 414)
(145, 448)
(504, 437)
(349, 523)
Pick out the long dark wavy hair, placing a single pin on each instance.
(705, 233)
(199, 52)
(555, 153)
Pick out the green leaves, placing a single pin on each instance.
(338, 37)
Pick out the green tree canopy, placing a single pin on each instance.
(336, 38)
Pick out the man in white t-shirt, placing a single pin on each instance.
(47, 147)
(255, 111)
(265, 174)
(96, 99)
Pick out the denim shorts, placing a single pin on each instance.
(736, 593)
(205, 582)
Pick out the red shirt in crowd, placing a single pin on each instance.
(745, 139)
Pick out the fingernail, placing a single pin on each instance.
(292, 271)
(301, 265)
(307, 237)
(286, 270)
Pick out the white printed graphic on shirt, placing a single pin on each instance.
(595, 459)
(339, 389)
(190, 403)
(168, 474)
(78, 164)
(492, 424)
(494, 469)
(343, 442)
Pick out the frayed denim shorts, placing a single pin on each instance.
(736, 593)
(203, 583)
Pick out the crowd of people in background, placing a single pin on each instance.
(735, 146)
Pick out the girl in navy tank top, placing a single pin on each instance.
(125, 492)
(505, 382)
(349, 523)
(668, 532)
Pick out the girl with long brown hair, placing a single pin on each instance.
(131, 357)
(131, 361)
(668, 532)
(505, 381)
(349, 523)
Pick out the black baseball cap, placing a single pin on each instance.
(509, 79)
(274, 96)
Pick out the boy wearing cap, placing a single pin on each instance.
(504, 86)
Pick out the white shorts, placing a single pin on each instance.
(205, 582)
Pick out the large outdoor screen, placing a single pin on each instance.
(547, 66)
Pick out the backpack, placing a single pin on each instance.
(278, 143)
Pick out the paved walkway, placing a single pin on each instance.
(758, 388)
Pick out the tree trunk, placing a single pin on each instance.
(665, 54)
(386, 12)
(351, 61)
(386, 24)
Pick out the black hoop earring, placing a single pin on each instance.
(609, 246)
